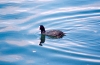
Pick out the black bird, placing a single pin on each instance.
(51, 33)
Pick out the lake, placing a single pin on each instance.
(21, 42)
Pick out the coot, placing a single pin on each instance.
(51, 33)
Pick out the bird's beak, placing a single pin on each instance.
(39, 27)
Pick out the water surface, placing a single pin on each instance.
(20, 35)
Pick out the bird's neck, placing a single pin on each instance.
(43, 31)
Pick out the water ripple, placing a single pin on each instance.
(20, 35)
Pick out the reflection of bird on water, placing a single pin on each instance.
(42, 39)
(51, 33)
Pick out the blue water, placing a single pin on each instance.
(20, 35)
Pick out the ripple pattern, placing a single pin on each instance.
(20, 35)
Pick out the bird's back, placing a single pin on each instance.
(54, 33)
